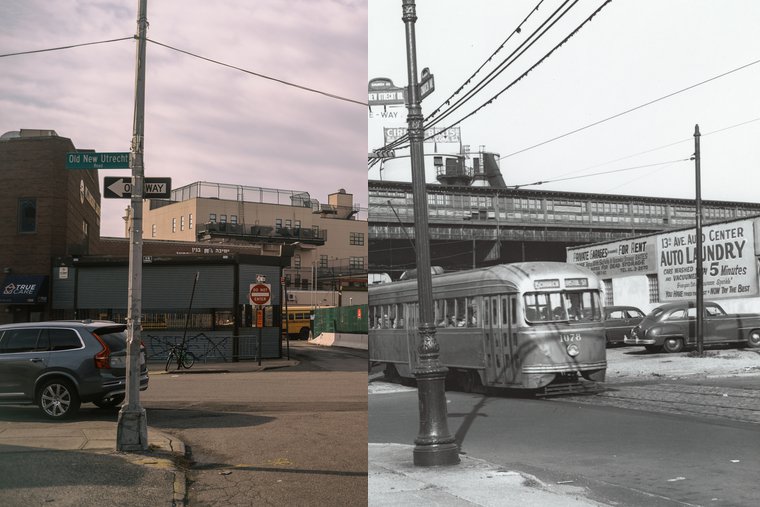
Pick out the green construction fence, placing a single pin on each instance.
(341, 319)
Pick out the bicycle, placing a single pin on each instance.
(178, 353)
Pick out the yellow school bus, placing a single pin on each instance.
(298, 321)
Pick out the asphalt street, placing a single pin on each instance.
(621, 456)
(295, 436)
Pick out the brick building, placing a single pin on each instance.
(46, 211)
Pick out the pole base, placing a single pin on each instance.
(132, 430)
(436, 455)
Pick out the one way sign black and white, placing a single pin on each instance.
(116, 187)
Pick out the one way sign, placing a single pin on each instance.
(121, 187)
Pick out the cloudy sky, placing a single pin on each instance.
(203, 122)
(630, 54)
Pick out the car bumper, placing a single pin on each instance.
(638, 341)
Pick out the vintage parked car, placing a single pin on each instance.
(619, 321)
(58, 365)
(672, 326)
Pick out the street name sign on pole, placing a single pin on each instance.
(117, 187)
(427, 84)
(91, 160)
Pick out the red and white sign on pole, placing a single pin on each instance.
(260, 294)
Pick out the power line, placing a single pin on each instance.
(67, 47)
(632, 109)
(264, 76)
(257, 74)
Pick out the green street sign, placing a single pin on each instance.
(91, 160)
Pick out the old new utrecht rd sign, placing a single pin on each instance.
(115, 187)
(92, 160)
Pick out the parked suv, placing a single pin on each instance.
(58, 365)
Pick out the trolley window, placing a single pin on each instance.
(562, 306)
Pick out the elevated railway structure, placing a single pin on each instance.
(476, 226)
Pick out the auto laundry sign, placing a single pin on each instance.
(620, 258)
(728, 262)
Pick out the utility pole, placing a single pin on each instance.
(700, 274)
(132, 427)
(434, 444)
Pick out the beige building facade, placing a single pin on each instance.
(329, 241)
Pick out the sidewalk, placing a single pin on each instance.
(76, 463)
(395, 481)
(248, 365)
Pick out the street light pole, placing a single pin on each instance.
(132, 426)
(434, 444)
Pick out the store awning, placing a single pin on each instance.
(24, 289)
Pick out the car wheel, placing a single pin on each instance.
(754, 338)
(673, 345)
(58, 399)
(467, 381)
(303, 334)
(652, 348)
(110, 401)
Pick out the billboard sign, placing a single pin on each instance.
(621, 258)
(432, 135)
(728, 262)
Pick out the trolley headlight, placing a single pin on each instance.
(573, 350)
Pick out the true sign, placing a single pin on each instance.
(260, 294)
(121, 187)
(91, 160)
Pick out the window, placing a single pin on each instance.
(297, 261)
(278, 224)
(153, 231)
(222, 219)
(654, 291)
(174, 225)
(323, 261)
(19, 340)
(297, 224)
(288, 223)
(212, 218)
(62, 339)
(356, 262)
(85, 228)
(190, 221)
(233, 219)
(609, 296)
(182, 223)
(356, 238)
(27, 215)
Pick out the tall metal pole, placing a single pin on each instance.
(434, 444)
(132, 427)
(700, 273)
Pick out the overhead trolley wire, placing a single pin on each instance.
(501, 46)
(632, 109)
(524, 74)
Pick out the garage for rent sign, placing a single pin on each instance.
(728, 262)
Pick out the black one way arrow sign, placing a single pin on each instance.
(121, 187)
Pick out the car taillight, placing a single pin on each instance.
(102, 358)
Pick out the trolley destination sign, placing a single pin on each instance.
(92, 160)
(115, 187)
